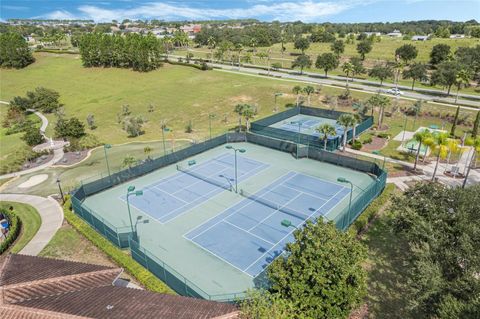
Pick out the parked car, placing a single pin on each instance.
(394, 91)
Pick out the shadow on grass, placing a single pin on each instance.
(386, 271)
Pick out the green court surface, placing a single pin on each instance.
(211, 239)
(307, 124)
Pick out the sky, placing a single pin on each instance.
(264, 10)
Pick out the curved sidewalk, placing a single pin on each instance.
(52, 217)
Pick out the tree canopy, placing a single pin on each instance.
(327, 62)
(407, 52)
(14, 51)
(441, 227)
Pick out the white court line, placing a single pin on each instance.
(248, 232)
(289, 233)
(248, 202)
(309, 194)
(277, 210)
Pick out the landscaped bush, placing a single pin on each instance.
(146, 278)
(383, 135)
(371, 211)
(84, 143)
(368, 140)
(15, 227)
(357, 145)
(203, 66)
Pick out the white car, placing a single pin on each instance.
(394, 91)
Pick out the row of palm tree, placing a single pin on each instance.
(298, 90)
(347, 121)
(246, 111)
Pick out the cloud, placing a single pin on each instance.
(60, 15)
(307, 10)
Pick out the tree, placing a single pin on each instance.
(347, 121)
(297, 89)
(440, 146)
(416, 72)
(14, 51)
(379, 101)
(462, 80)
(357, 66)
(239, 110)
(301, 44)
(32, 136)
(327, 62)
(42, 99)
(91, 121)
(381, 72)
(133, 125)
(442, 32)
(440, 227)
(476, 125)
(475, 144)
(348, 69)
(439, 53)
(421, 137)
(248, 113)
(308, 90)
(326, 130)
(302, 61)
(363, 48)
(338, 47)
(321, 275)
(263, 304)
(407, 53)
(147, 150)
(129, 161)
(71, 128)
(445, 75)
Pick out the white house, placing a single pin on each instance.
(420, 38)
(457, 36)
(373, 33)
(395, 34)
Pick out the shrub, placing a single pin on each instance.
(371, 211)
(189, 127)
(15, 227)
(383, 135)
(146, 278)
(368, 140)
(32, 136)
(357, 145)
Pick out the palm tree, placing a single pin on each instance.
(347, 121)
(308, 90)
(167, 43)
(211, 43)
(326, 130)
(475, 143)
(420, 137)
(381, 102)
(453, 148)
(147, 150)
(462, 80)
(253, 44)
(248, 112)
(348, 69)
(441, 147)
(238, 49)
(357, 118)
(297, 89)
(129, 161)
(239, 110)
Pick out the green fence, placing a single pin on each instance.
(263, 127)
(122, 237)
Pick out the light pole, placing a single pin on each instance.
(404, 127)
(211, 116)
(60, 189)
(164, 129)
(344, 180)
(139, 218)
(299, 123)
(276, 95)
(131, 191)
(105, 148)
(287, 223)
(241, 150)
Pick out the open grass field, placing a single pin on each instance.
(381, 51)
(30, 219)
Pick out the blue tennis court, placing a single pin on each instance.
(308, 126)
(249, 235)
(172, 196)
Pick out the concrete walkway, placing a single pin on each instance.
(52, 217)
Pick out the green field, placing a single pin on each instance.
(30, 220)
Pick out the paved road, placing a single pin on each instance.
(315, 78)
(52, 218)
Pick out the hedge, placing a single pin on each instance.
(15, 227)
(196, 66)
(146, 278)
(371, 211)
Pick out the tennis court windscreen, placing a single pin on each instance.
(220, 183)
(273, 205)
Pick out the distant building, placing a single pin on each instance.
(191, 28)
(395, 34)
(373, 33)
(457, 36)
(46, 288)
(420, 38)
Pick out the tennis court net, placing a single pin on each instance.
(225, 185)
(269, 203)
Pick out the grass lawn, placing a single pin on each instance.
(30, 219)
(13, 150)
